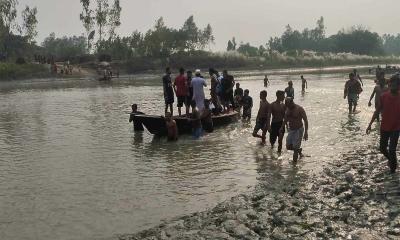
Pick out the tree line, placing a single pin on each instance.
(356, 40)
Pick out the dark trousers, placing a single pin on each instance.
(390, 139)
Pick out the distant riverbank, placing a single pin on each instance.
(234, 62)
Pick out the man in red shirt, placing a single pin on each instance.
(389, 106)
(181, 91)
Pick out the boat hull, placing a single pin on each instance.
(156, 124)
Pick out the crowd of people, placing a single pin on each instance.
(279, 116)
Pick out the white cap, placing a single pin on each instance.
(197, 71)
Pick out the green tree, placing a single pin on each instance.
(87, 18)
(248, 50)
(64, 48)
(114, 18)
(206, 37)
(101, 17)
(29, 23)
(191, 34)
(8, 14)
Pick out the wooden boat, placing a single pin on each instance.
(156, 124)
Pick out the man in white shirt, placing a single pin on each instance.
(198, 84)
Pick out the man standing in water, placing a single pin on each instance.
(352, 89)
(198, 84)
(172, 128)
(295, 116)
(378, 90)
(389, 106)
(189, 99)
(290, 90)
(304, 84)
(181, 90)
(238, 97)
(168, 91)
(247, 103)
(278, 109)
(266, 81)
(263, 121)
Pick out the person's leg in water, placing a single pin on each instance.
(350, 106)
(383, 146)
(273, 135)
(260, 125)
(354, 106)
(394, 138)
(280, 142)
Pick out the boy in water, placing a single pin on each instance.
(352, 89)
(247, 103)
(278, 109)
(137, 126)
(304, 84)
(379, 89)
(172, 129)
(206, 119)
(196, 124)
(294, 116)
(262, 122)
(266, 81)
(289, 90)
(238, 95)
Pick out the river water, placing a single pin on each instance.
(71, 166)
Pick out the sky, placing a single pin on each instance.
(253, 21)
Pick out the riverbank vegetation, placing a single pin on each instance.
(188, 45)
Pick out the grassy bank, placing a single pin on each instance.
(12, 71)
(235, 61)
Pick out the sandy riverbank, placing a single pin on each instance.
(353, 198)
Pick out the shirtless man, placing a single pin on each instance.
(294, 116)
(278, 109)
(172, 129)
(263, 121)
(304, 84)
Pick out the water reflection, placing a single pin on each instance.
(72, 167)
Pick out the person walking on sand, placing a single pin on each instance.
(278, 110)
(262, 122)
(378, 90)
(181, 90)
(168, 91)
(266, 81)
(295, 115)
(198, 84)
(352, 89)
(304, 84)
(289, 90)
(389, 106)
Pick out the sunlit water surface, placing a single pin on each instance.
(71, 166)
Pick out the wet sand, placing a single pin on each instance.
(355, 197)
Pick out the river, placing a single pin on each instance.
(71, 166)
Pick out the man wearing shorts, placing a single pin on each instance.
(278, 109)
(294, 116)
(352, 89)
(181, 90)
(263, 117)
